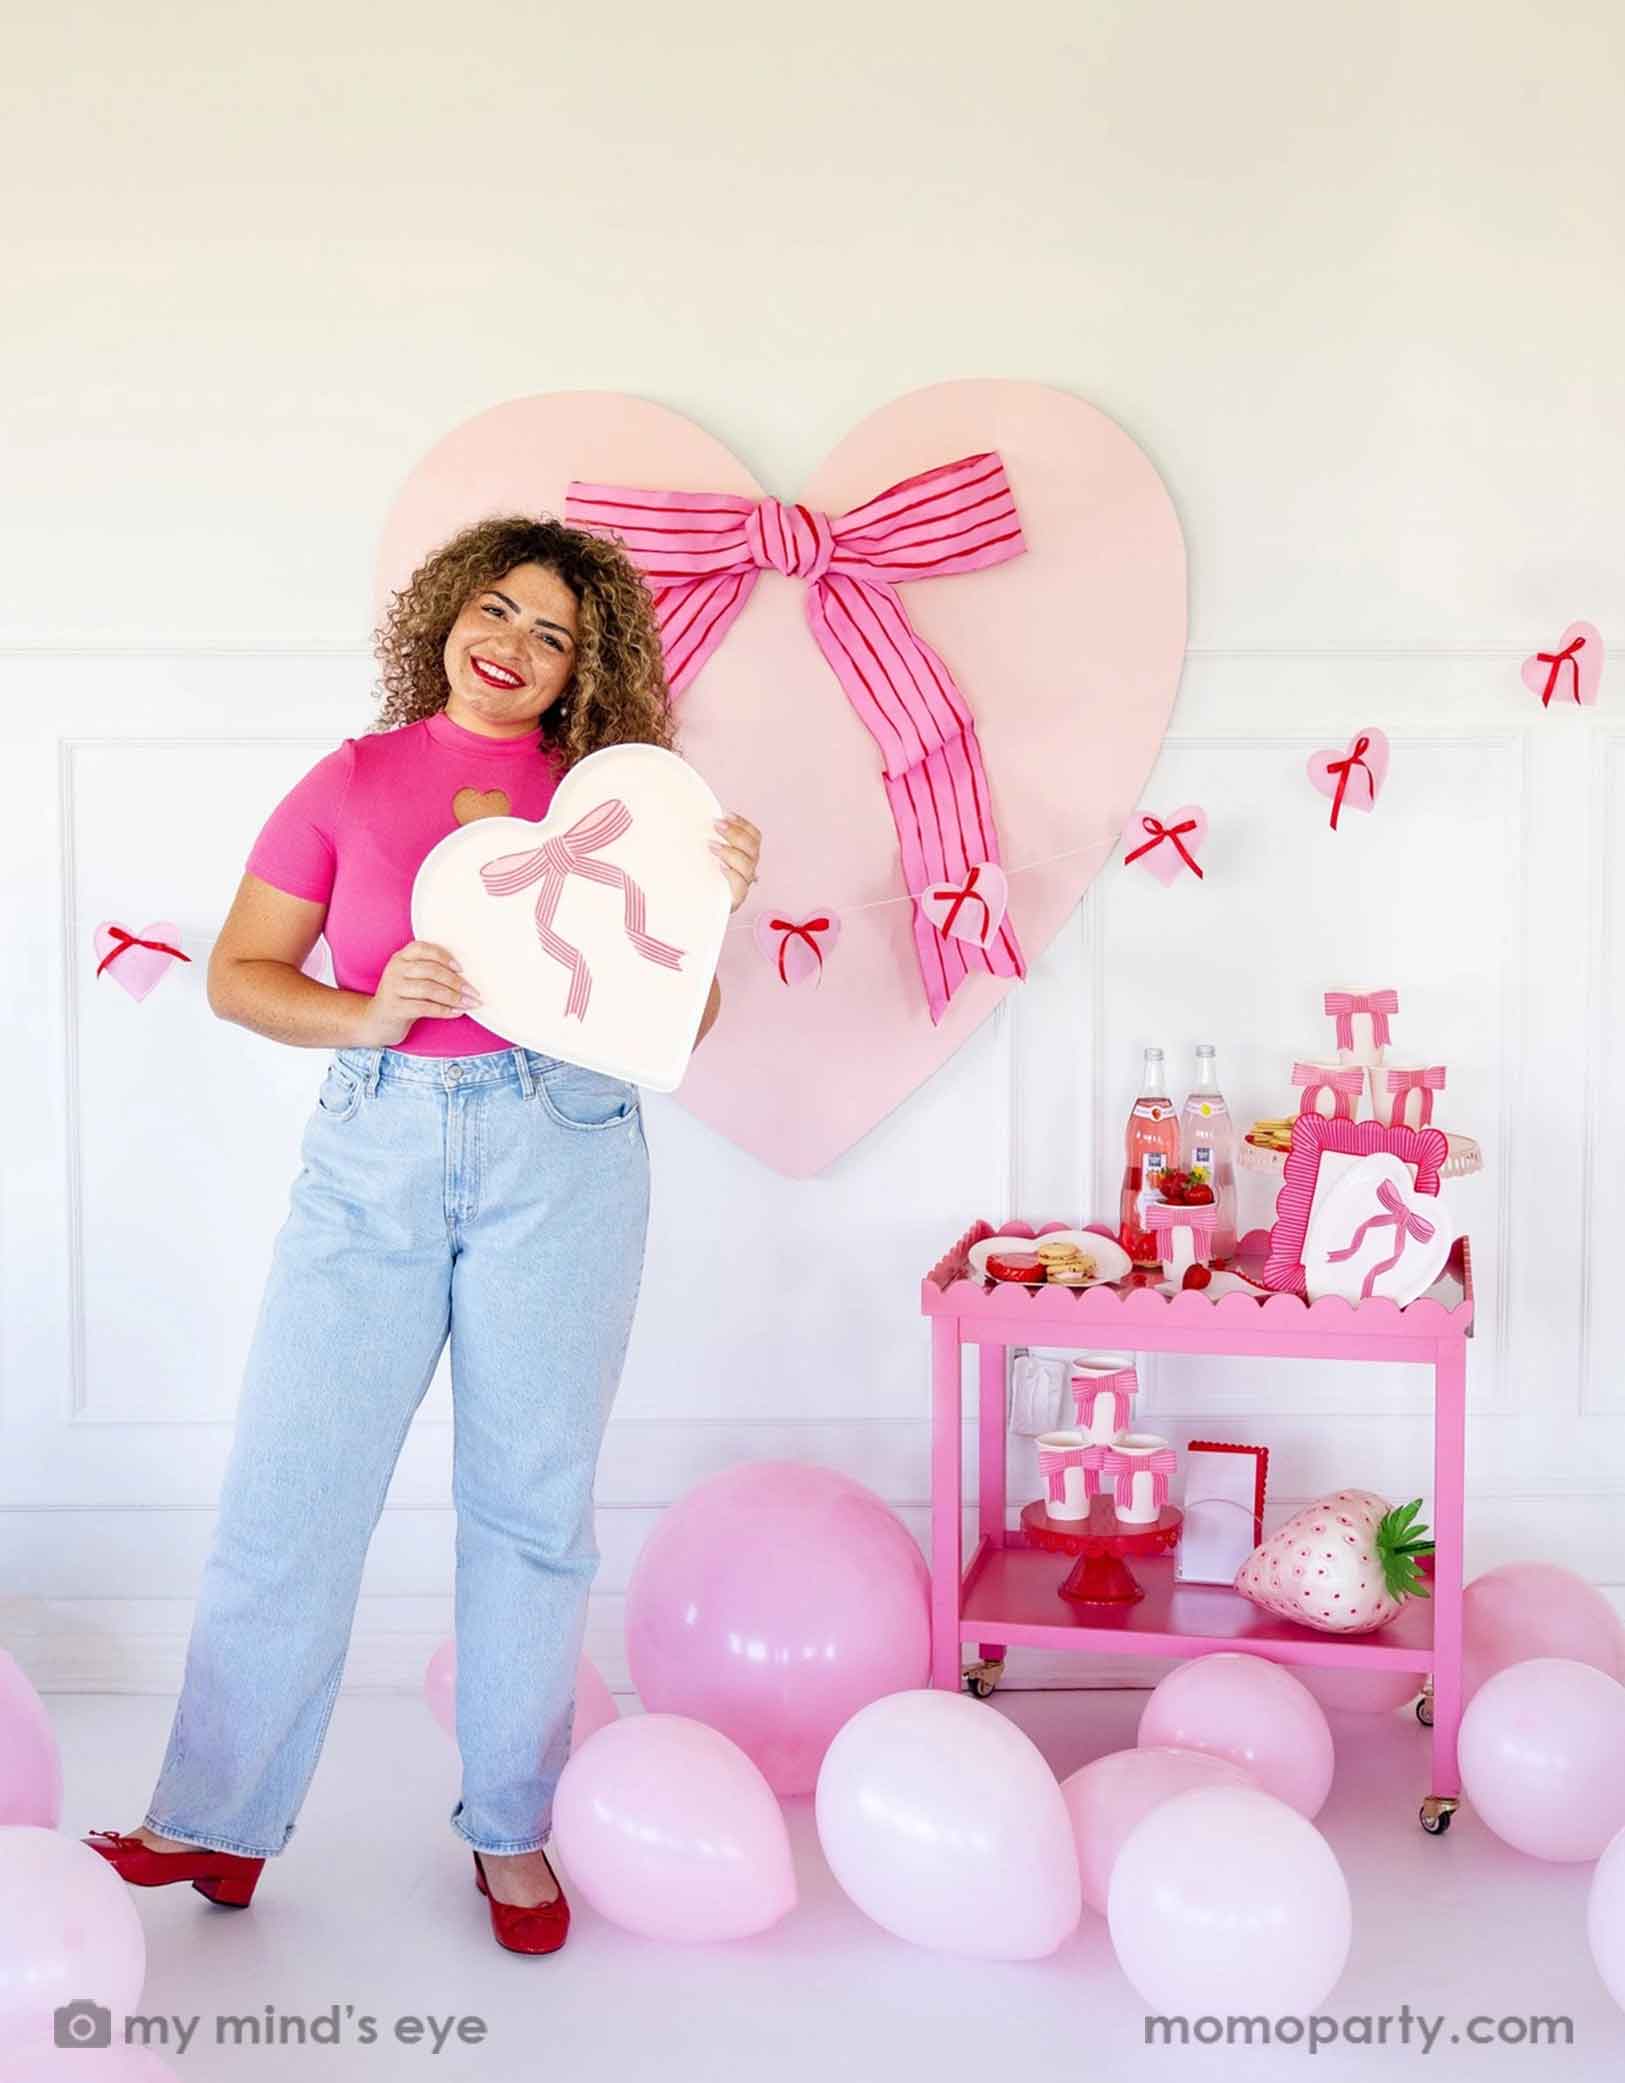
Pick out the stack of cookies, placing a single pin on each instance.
(1065, 1265)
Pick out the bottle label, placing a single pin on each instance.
(1155, 1165)
(1202, 1159)
(1153, 1110)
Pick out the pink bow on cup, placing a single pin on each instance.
(552, 864)
(1345, 1086)
(1343, 1005)
(1053, 1463)
(1122, 1387)
(1406, 1224)
(702, 553)
(1123, 1468)
(1426, 1082)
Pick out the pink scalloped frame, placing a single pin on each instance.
(1312, 1136)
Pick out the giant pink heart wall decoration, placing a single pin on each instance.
(1068, 658)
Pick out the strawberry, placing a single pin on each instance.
(1197, 1276)
(1343, 1565)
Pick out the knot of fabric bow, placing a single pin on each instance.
(1427, 1082)
(1343, 1005)
(1123, 1468)
(1554, 662)
(1345, 1086)
(552, 864)
(1159, 831)
(1406, 1225)
(702, 554)
(123, 941)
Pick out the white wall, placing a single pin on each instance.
(1350, 276)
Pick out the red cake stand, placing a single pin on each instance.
(1101, 1576)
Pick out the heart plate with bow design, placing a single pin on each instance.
(592, 936)
(1065, 654)
(1373, 1233)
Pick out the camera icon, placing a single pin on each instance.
(84, 2024)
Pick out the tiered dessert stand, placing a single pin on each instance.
(1011, 1589)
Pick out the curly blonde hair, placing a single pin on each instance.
(617, 693)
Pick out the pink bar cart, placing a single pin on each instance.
(1008, 1592)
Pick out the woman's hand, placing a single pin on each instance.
(738, 846)
(421, 981)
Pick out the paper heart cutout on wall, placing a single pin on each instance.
(970, 910)
(796, 946)
(1170, 846)
(1372, 1233)
(593, 935)
(1352, 774)
(1571, 671)
(1068, 658)
(137, 969)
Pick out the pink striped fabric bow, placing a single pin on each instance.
(1427, 1082)
(1122, 1387)
(1345, 1086)
(702, 553)
(1123, 1468)
(1053, 1463)
(1406, 1225)
(1343, 1005)
(552, 864)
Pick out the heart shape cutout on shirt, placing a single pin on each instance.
(1571, 671)
(972, 909)
(1167, 847)
(1372, 1233)
(1067, 657)
(1352, 774)
(593, 935)
(470, 803)
(137, 969)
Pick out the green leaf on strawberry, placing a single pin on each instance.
(1399, 1542)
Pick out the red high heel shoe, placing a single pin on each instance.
(542, 1929)
(223, 1877)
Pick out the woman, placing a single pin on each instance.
(451, 1184)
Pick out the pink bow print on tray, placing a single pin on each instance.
(553, 922)
(797, 947)
(1375, 1233)
(1168, 849)
(1353, 778)
(138, 961)
(876, 713)
(1570, 671)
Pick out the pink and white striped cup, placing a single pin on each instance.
(1184, 1235)
(1330, 1088)
(1065, 1474)
(1138, 1468)
(1104, 1396)
(1402, 1093)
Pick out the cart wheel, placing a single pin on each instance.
(1424, 1710)
(981, 1678)
(1436, 1812)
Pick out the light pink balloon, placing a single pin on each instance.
(670, 1831)
(1542, 1753)
(1226, 1901)
(1355, 1691)
(595, 1703)
(110, 2064)
(30, 1764)
(68, 1930)
(773, 1601)
(1253, 1712)
(944, 1824)
(1605, 1918)
(1529, 1609)
(1107, 1798)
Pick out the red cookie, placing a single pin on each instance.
(1015, 1265)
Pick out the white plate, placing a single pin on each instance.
(1112, 1262)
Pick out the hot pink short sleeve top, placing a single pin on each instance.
(353, 833)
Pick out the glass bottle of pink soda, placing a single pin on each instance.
(1207, 1141)
(1150, 1147)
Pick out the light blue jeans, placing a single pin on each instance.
(500, 1198)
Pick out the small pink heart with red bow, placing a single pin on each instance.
(138, 960)
(797, 947)
(1353, 778)
(1168, 847)
(971, 910)
(1570, 671)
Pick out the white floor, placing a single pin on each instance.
(374, 1906)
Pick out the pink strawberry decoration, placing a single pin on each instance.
(1344, 1564)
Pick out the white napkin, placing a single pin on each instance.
(1037, 1390)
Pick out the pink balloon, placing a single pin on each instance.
(595, 1703)
(30, 1765)
(1226, 1901)
(1106, 1799)
(1253, 1712)
(110, 2064)
(68, 1931)
(1542, 1754)
(1355, 1691)
(1605, 1918)
(944, 1824)
(773, 1601)
(670, 1831)
(1530, 1609)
